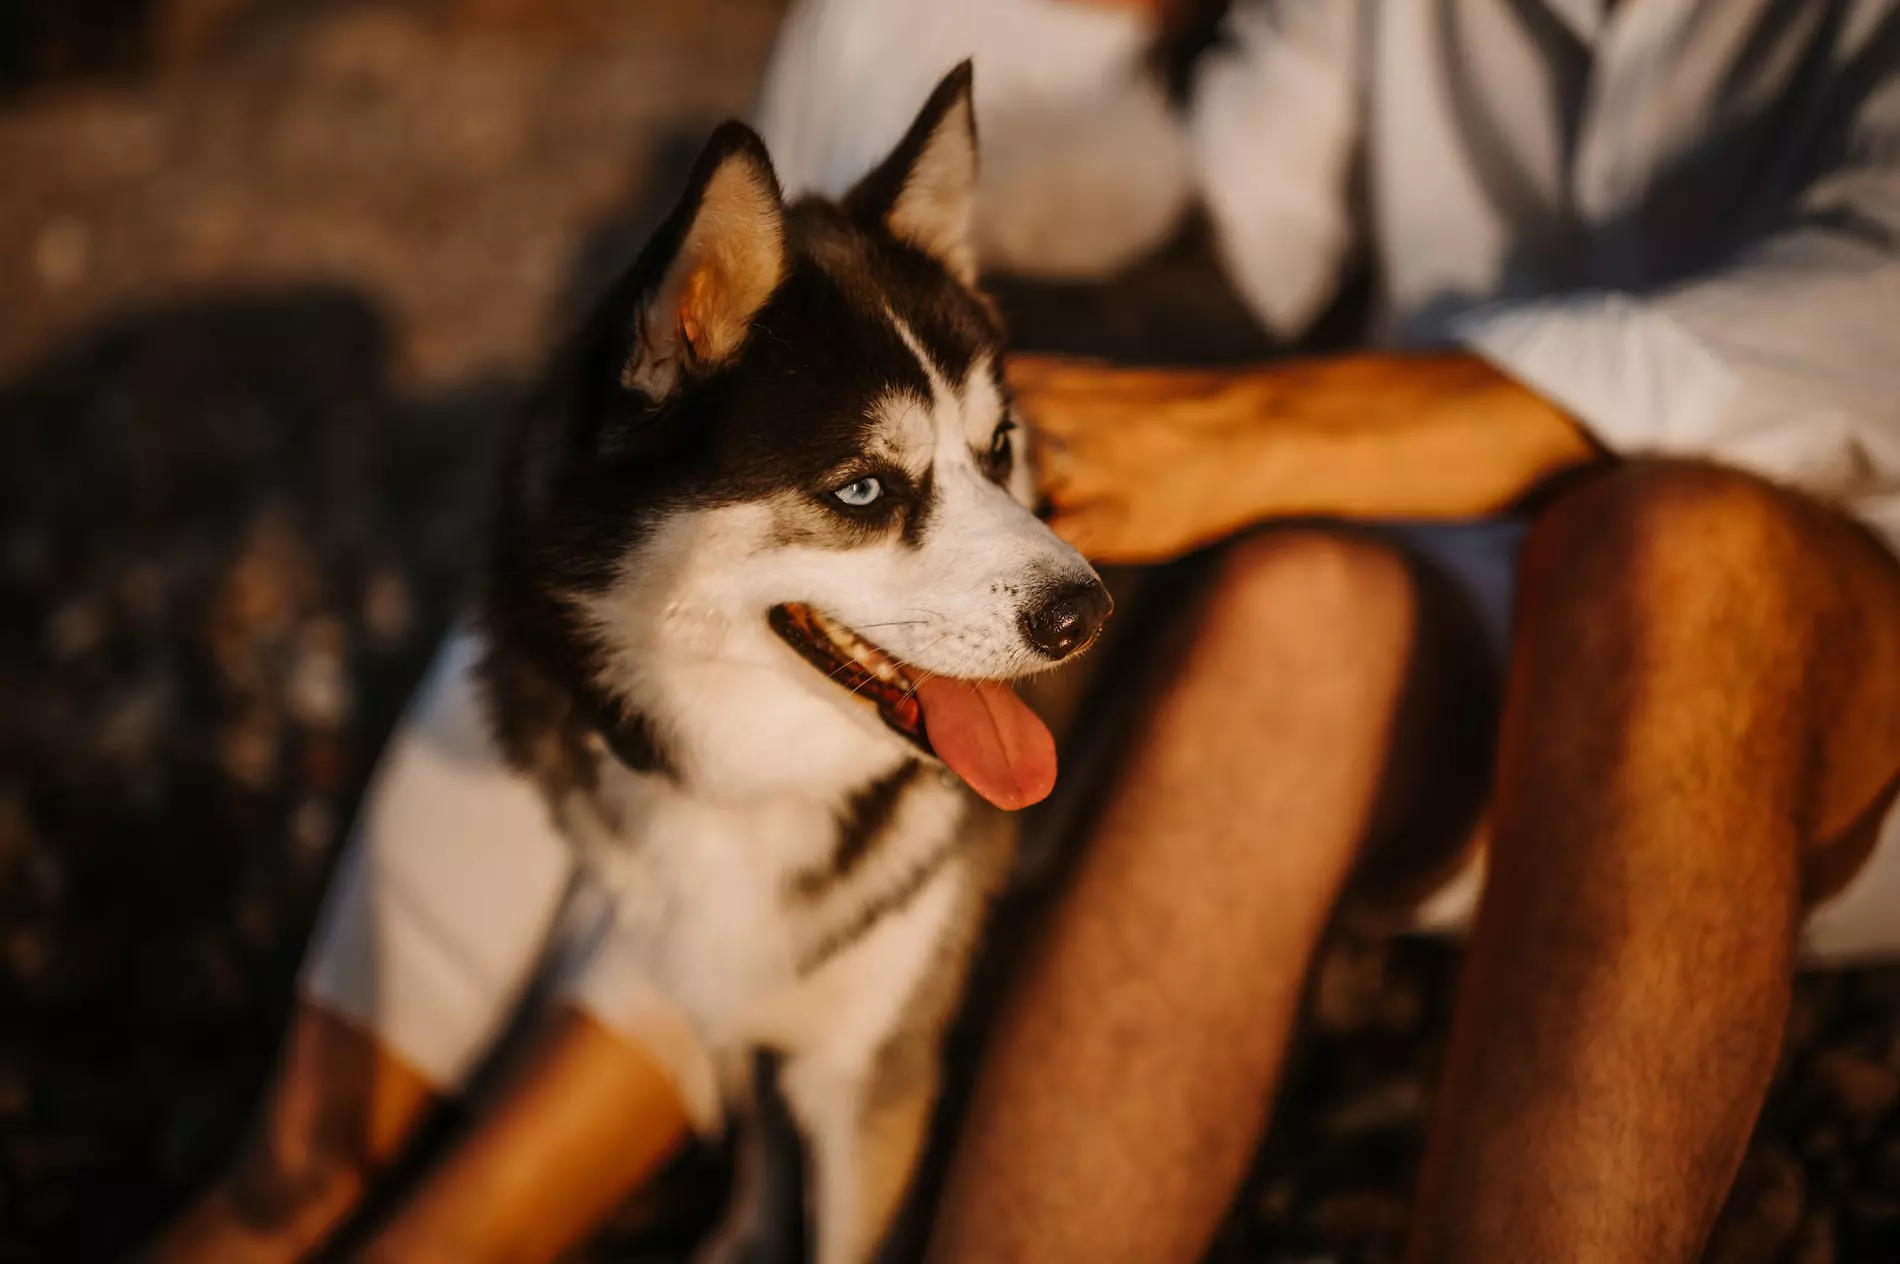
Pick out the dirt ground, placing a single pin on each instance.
(265, 303)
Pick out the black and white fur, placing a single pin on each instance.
(797, 878)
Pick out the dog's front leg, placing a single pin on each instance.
(765, 1221)
(864, 1128)
(745, 1234)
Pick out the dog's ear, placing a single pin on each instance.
(725, 247)
(925, 191)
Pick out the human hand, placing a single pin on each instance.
(1143, 465)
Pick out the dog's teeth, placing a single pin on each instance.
(855, 649)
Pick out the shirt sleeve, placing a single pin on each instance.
(1275, 128)
(1784, 361)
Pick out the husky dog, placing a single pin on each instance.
(763, 567)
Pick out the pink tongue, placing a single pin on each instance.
(988, 737)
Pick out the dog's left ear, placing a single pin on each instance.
(925, 191)
(726, 243)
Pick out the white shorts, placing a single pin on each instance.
(456, 897)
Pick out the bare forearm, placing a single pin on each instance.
(1440, 435)
(1151, 462)
(588, 1115)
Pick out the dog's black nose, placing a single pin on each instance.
(1066, 618)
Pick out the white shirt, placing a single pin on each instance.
(1678, 219)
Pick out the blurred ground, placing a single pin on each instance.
(270, 283)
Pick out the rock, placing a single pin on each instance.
(28, 956)
(51, 1156)
(45, 878)
(76, 629)
(1861, 1089)
(1872, 1208)
(16, 833)
(16, 1093)
(143, 590)
(1763, 1212)
(248, 750)
(62, 251)
(1359, 1216)
(389, 611)
(313, 827)
(1820, 1145)
(1275, 1201)
(1401, 1006)
(27, 555)
(1878, 988)
(256, 925)
(1884, 1170)
(1814, 1242)
(1392, 1105)
(187, 31)
(318, 694)
(1349, 988)
(324, 765)
(136, 722)
(269, 585)
(1803, 1024)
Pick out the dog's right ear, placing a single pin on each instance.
(725, 253)
(925, 191)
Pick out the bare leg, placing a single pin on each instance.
(1131, 1072)
(1705, 695)
(588, 1116)
(341, 1108)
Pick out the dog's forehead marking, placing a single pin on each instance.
(962, 415)
(902, 431)
(982, 402)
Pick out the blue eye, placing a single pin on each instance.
(860, 493)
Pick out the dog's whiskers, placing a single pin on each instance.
(924, 673)
(912, 691)
(919, 683)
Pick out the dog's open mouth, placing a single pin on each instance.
(859, 667)
(979, 728)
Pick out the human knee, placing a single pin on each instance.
(1654, 542)
(1337, 594)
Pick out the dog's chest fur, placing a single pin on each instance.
(844, 855)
